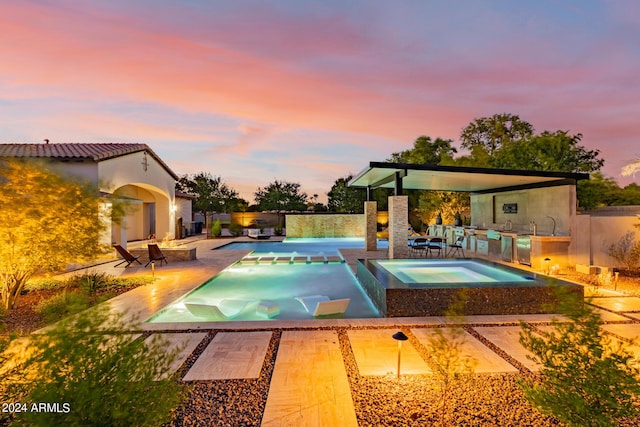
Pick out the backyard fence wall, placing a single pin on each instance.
(325, 225)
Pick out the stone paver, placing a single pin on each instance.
(309, 386)
(482, 358)
(376, 353)
(184, 343)
(231, 355)
(619, 304)
(507, 338)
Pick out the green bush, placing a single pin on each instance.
(235, 229)
(278, 230)
(585, 380)
(216, 229)
(96, 373)
(45, 283)
(62, 305)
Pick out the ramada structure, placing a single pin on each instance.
(132, 173)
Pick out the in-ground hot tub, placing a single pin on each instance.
(427, 287)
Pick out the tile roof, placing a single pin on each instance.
(95, 152)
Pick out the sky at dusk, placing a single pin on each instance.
(311, 91)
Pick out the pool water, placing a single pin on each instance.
(300, 246)
(275, 283)
(431, 272)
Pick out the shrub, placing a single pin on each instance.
(235, 229)
(45, 283)
(96, 372)
(216, 229)
(62, 305)
(626, 251)
(278, 230)
(585, 379)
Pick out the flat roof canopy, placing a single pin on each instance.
(458, 178)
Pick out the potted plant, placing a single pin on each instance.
(457, 219)
(439, 219)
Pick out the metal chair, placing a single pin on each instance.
(418, 246)
(456, 247)
(435, 244)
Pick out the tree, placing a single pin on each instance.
(585, 378)
(281, 196)
(631, 168)
(212, 195)
(485, 135)
(557, 151)
(426, 152)
(346, 199)
(46, 223)
(597, 191)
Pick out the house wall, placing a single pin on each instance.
(532, 205)
(600, 228)
(155, 185)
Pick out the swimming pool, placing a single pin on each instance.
(300, 246)
(427, 287)
(267, 286)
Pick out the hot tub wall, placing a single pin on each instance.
(409, 300)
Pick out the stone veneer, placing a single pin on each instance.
(398, 221)
(371, 225)
(411, 300)
(326, 225)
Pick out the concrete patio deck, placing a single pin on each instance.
(309, 384)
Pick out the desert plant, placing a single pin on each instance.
(61, 305)
(278, 230)
(93, 373)
(446, 355)
(626, 251)
(91, 282)
(216, 228)
(585, 378)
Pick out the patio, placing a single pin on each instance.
(316, 372)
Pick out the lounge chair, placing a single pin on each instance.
(126, 256)
(225, 310)
(155, 254)
(254, 233)
(322, 305)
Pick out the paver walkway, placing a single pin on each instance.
(309, 386)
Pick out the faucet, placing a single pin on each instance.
(553, 232)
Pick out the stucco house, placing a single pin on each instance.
(130, 172)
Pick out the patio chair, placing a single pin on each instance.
(155, 254)
(322, 305)
(126, 256)
(456, 247)
(418, 246)
(435, 244)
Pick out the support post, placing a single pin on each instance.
(371, 226)
(398, 220)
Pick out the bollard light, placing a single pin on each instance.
(547, 262)
(399, 336)
(153, 269)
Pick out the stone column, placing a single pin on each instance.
(371, 225)
(398, 220)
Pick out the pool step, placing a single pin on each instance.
(330, 259)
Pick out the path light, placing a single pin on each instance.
(547, 261)
(153, 269)
(399, 336)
